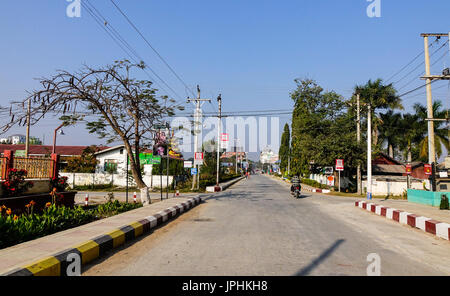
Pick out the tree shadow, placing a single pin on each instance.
(307, 269)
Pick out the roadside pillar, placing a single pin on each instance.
(9, 164)
(55, 161)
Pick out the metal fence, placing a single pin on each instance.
(37, 168)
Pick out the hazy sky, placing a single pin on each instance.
(249, 51)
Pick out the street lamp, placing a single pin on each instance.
(54, 136)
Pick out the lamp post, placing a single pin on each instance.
(54, 137)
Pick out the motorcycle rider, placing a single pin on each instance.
(295, 182)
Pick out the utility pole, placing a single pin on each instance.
(197, 119)
(27, 142)
(429, 78)
(219, 100)
(236, 152)
(369, 152)
(167, 163)
(358, 139)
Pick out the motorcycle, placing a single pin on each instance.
(296, 191)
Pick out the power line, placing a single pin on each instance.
(417, 67)
(119, 40)
(412, 61)
(148, 43)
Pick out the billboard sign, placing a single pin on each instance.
(187, 164)
(408, 169)
(339, 164)
(198, 158)
(427, 169)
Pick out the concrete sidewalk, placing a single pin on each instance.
(422, 210)
(23, 258)
(99, 197)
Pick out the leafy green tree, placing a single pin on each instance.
(86, 163)
(284, 148)
(121, 108)
(322, 129)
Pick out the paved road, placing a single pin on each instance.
(257, 228)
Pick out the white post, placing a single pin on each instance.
(369, 153)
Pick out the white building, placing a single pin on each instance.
(17, 139)
(268, 156)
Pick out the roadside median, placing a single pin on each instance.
(62, 253)
(417, 220)
(223, 186)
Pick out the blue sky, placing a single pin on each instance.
(249, 51)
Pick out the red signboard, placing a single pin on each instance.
(408, 169)
(427, 169)
(339, 164)
(224, 137)
(198, 155)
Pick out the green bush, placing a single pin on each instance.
(17, 229)
(315, 184)
(444, 203)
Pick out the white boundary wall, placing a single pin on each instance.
(84, 179)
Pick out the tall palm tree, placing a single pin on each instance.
(388, 130)
(378, 96)
(441, 138)
(411, 133)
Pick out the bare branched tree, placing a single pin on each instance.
(115, 106)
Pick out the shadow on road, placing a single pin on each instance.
(306, 270)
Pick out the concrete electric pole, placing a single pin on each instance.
(219, 101)
(369, 152)
(27, 142)
(197, 125)
(429, 79)
(358, 139)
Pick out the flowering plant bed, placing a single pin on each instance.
(15, 229)
(17, 204)
(15, 183)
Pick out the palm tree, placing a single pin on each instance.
(411, 132)
(388, 130)
(378, 96)
(441, 138)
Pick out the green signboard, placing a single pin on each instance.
(20, 153)
(148, 158)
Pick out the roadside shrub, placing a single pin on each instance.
(60, 183)
(314, 183)
(444, 203)
(15, 184)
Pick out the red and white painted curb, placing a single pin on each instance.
(429, 225)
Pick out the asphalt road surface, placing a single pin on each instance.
(257, 228)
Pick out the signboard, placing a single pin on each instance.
(187, 164)
(339, 164)
(443, 174)
(330, 181)
(156, 160)
(327, 170)
(198, 158)
(408, 169)
(20, 153)
(224, 138)
(193, 171)
(427, 169)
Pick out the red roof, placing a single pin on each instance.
(47, 149)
